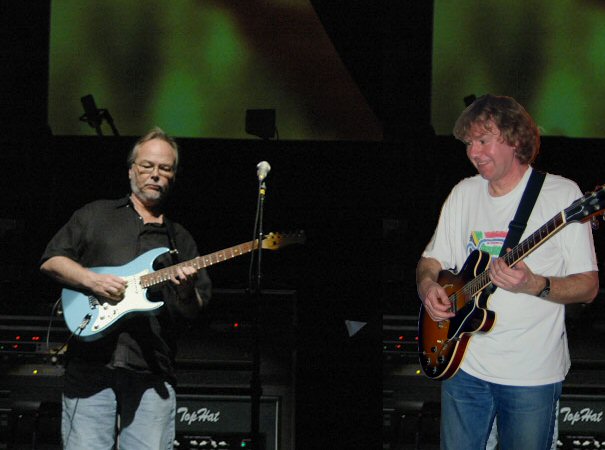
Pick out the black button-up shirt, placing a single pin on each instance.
(111, 233)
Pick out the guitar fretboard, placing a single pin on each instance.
(200, 262)
(519, 252)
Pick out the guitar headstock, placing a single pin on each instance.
(587, 207)
(274, 240)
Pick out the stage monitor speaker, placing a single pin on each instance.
(261, 123)
(223, 421)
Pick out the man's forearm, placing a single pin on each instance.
(66, 271)
(427, 270)
(576, 288)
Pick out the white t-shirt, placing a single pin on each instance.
(528, 344)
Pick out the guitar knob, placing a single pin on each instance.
(434, 349)
(440, 360)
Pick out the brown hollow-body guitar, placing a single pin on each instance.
(442, 344)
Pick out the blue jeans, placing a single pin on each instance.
(129, 417)
(492, 441)
(526, 414)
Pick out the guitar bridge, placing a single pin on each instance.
(445, 346)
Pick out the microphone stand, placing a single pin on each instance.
(109, 119)
(95, 120)
(255, 286)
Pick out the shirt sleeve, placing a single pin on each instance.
(570, 250)
(577, 244)
(441, 244)
(69, 240)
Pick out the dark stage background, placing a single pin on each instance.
(368, 209)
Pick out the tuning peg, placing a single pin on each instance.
(594, 223)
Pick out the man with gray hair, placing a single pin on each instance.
(119, 384)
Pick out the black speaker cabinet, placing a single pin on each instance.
(582, 422)
(223, 421)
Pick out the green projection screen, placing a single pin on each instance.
(549, 55)
(193, 67)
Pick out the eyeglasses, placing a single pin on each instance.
(147, 167)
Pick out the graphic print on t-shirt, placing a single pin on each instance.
(486, 241)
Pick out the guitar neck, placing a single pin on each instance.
(519, 252)
(163, 275)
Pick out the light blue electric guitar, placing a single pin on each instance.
(90, 317)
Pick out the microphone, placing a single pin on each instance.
(262, 170)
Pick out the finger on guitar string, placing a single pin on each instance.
(184, 278)
(437, 303)
(183, 275)
(518, 279)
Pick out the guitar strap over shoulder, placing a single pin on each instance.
(174, 253)
(528, 200)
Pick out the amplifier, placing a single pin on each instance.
(399, 340)
(582, 416)
(223, 338)
(32, 339)
(581, 422)
(223, 421)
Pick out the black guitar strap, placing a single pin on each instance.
(528, 200)
(517, 226)
(174, 253)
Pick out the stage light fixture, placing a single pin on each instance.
(261, 123)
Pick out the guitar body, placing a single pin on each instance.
(100, 314)
(441, 345)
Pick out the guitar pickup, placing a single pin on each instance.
(93, 302)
